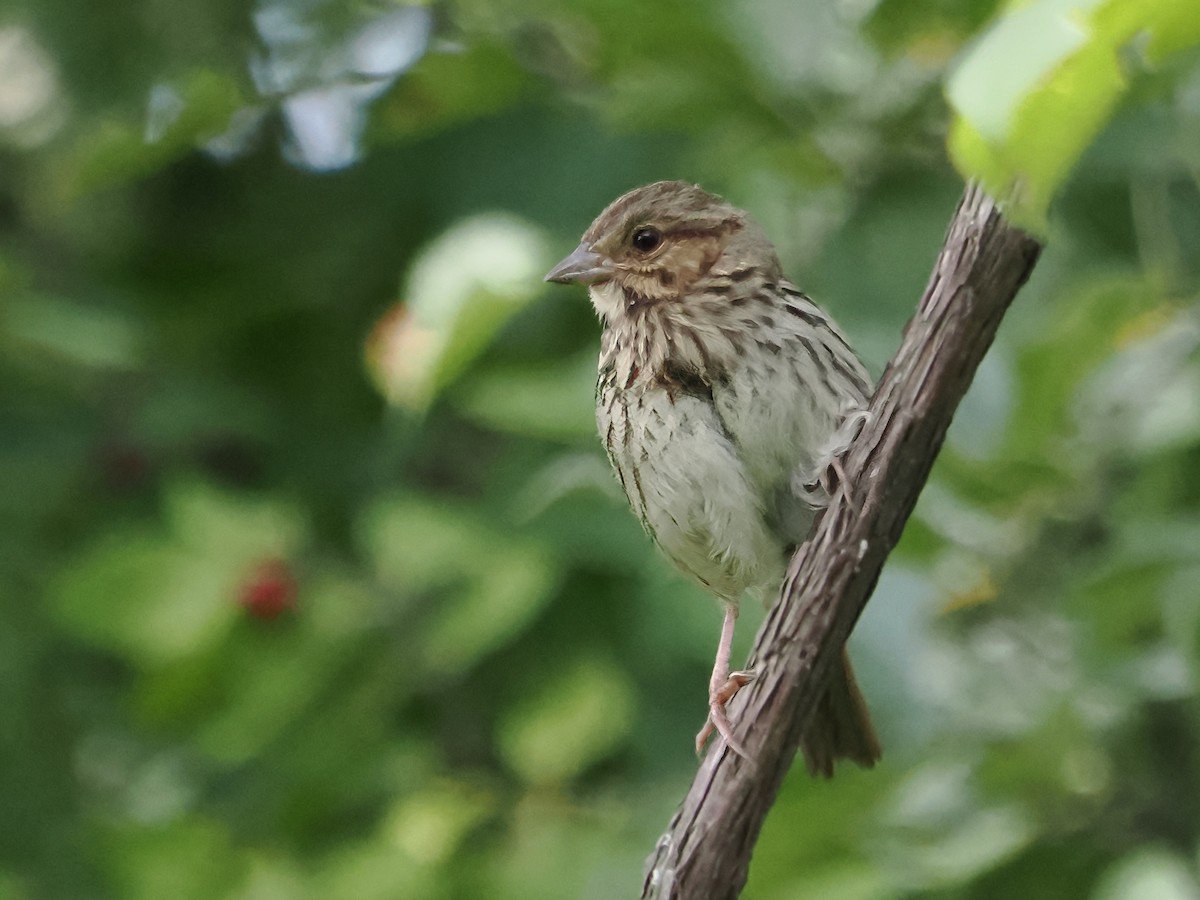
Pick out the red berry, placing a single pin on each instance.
(270, 591)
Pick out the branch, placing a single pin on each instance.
(705, 853)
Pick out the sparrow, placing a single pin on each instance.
(724, 397)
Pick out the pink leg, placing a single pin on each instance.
(721, 689)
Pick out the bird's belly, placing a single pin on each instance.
(775, 420)
(688, 485)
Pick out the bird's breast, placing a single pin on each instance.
(687, 485)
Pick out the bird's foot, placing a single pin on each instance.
(819, 486)
(720, 692)
(833, 478)
(834, 475)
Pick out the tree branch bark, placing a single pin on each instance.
(705, 853)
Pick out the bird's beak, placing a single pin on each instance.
(583, 265)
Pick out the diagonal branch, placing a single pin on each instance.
(705, 853)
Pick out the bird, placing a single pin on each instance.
(724, 396)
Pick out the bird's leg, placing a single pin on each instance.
(722, 687)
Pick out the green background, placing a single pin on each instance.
(273, 331)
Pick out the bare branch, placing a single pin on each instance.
(705, 853)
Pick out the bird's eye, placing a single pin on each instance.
(646, 240)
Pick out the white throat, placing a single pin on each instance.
(609, 301)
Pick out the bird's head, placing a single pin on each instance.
(654, 243)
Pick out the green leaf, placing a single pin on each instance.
(146, 599)
(268, 680)
(71, 333)
(193, 859)
(155, 596)
(430, 825)
(481, 586)
(181, 115)
(1075, 337)
(1035, 91)
(574, 721)
(921, 28)
(461, 290)
(447, 87)
(513, 584)
(1149, 873)
(552, 401)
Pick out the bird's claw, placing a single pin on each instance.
(719, 696)
(830, 475)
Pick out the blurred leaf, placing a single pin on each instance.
(267, 684)
(448, 87)
(430, 825)
(145, 600)
(980, 840)
(1048, 376)
(572, 722)
(1143, 398)
(373, 869)
(1037, 89)
(237, 527)
(550, 851)
(1149, 874)
(550, 402)
(851, 881)
(70, 333)
(416, 546)
(910, 25)
(512, 585)
(258, 683)
(461, 290)
(180, 115)
(1056, 765)
(271, 877)
(192, 859)
(485, 586)
(157, 596)
(13, 888)
(1167, 26)
(1121, 599)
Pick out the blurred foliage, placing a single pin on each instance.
(313, 579)
(1035, 90)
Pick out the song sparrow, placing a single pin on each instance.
(723, 396)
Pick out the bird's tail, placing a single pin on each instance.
(841, 727)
